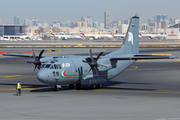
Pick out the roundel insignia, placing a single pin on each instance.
(122, 65)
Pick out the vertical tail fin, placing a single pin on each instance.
(141, 35)
(131, 42)
(52, 33)
(112, 33)
(82, 33)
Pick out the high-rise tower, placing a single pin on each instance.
(107, 20)
(16, 20)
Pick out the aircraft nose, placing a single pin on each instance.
(41, 76)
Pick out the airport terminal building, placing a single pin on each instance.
(173, 32)
(12, 31)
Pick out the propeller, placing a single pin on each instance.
(93, 62)
(37, 61)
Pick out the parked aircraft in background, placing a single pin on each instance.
(65, 36)
(153, 36)
(96, 37)
(121, 35)
(117, 35)
(90, 70)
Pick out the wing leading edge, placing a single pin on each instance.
(22, 55)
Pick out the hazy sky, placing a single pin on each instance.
(62, 10)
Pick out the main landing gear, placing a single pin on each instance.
(93, 86)
(71, 86)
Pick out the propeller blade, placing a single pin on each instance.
(99, 56)
(30, 62)
(90, 54)
(35, 67)
(90, 69)
(40, 54)
(34, 56)
(96, 71)
(85, 61)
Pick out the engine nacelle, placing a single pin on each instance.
(93, 80)
(104, 64)
(45, 59)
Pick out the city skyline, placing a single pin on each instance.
(60, 10)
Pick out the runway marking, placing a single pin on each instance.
(141, 60)
(176, 59)
(132, 68)
(7, 77)
(11, 76)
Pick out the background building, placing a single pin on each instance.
(1, 20)
(107, 20)
(31, 22)
(16, 20)
(123, 29)
(12, 31)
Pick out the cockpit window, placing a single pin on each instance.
(42, 66)
(52, 67)
(55, 66)
(48, 65)
(59, 66)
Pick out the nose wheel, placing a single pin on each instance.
(56, 87)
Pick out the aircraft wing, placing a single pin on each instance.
(21, 55)
(43, 56)
(143, 57)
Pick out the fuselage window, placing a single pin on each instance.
(55, 66)
(42, 66)
(48, 65)
(52, 67)
(59, 66)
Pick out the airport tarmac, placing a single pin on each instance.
(148, 90)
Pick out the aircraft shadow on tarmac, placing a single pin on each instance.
(110, 85)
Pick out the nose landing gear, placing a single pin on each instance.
(55, 87)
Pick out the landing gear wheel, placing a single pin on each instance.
(78, 86)
(100, 85)
(55, 88)
(71, 86)
(93, 86)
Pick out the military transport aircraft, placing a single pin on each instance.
(90, 70)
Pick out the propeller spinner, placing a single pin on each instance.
(37, 61)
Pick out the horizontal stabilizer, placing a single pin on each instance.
(143, 57)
